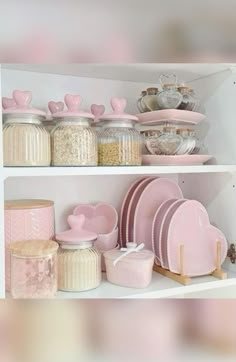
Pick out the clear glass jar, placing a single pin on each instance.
(199, 145)
(119, 144)
(74, 142)
(79, 267)
(149, 102)
(49, 124)
(189, 101)
(34, 269)
(25, 140)
(188, 141)
(150, 142)
(139, 102)
(169, 142)
(170, 97)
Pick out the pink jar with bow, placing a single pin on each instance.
(130, 267)
(27, 220)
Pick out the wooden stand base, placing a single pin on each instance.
(184, 279)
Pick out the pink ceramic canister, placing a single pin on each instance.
(129, 267)
(27, 220)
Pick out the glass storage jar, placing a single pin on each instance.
(139, 102)
(74, 142)
(79, 263)
(97, 110)
(188, 141)
(25, 140)
(189, 100)
(150, 141)
(119, 142)
(33, 269)
(170, 97)
(50, 122)
(149, 101)
(169, 142)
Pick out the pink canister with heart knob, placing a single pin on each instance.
(27, 220)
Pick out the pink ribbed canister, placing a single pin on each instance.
(27, 220)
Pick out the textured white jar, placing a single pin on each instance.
(79, 267)
(26, 142)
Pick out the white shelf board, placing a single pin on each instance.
(160, 287)
(134, 72)
(123, 170)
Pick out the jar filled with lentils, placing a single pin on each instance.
(25, 140)
(74, 142)
(119, 142)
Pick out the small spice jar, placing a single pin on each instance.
(170, 97)
(150, 141)
(149, 101)
(79, 263)
(33, 269)
(140, 106)
(130, 267)
(74, 142)
(169, 142)
(119, 142)
(189, 101)
(25, 140)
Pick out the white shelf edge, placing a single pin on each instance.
(126, 170)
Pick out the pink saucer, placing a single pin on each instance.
(156, 160)
(170, 115)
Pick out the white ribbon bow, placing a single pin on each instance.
(131, 248)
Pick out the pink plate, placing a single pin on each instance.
(156, 160)
(101, 218)
(170, 115)
(132, 206)
(124, 211)
(156, 226)
(190, 227)
(164, 231)
(158, 191)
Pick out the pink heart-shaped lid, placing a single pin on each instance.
(118, 105)
(8, 103)
(76, 234)
(97, 110)
(21, 104)
(55, 107)
(73, 103)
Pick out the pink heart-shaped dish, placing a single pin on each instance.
(100, 219)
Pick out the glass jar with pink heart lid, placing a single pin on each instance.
(25, 140)
(50, 121)
(119, 143)
(74, 141)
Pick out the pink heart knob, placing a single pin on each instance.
(73, 102)
(76, 222)
(22, 98)
(55, 107)
(8, 103)
(97, 110)
(118, 104)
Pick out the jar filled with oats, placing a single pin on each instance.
(119, 142)
(74, 142)
(25, 140)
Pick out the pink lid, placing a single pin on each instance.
(20, 103)
(140, 256)
(73, 103)
(97, 110)
(118, 105)
(76, 234)
(55, 107)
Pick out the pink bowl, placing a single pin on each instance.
(106, 242)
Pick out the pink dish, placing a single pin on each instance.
(132, 206)
(124, 210)
(156, 160)
(101, 218)
(170, 115)
(106, 242)
(190, 227)
(164, 230)
(156, 227)
(156, 192)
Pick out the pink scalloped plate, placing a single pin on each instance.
(164, 231)
(156, 192)
(132, 206)
(190, 227)
(184, 160)
(101, 218)
(124, 211)
(156, 226)
(171, 116)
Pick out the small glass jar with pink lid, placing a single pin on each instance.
(33, 269)
(79, 262)
(97, 110)
(25, 140)
(50, 121)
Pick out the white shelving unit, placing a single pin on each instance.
(214, 184)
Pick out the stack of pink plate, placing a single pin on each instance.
(155, 213)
